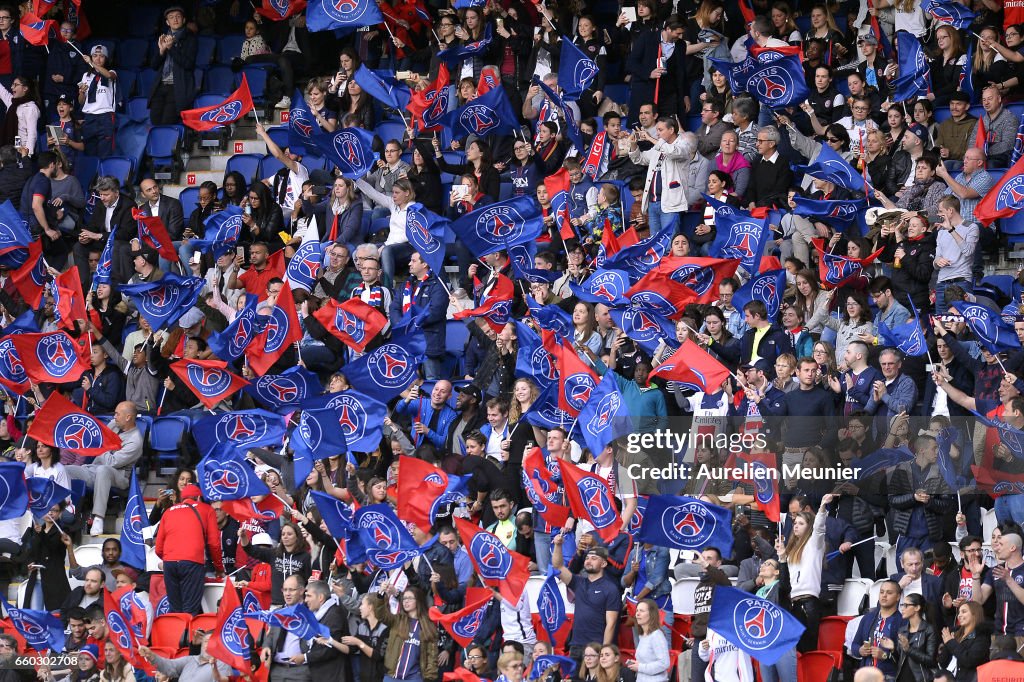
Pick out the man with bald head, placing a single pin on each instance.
(111, 469)
(868, 675)
(1006, 581)
(431, 417)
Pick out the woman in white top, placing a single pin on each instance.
(804, 553)
(726, 663)
(397, 246)
(45, 463)
(652, 660)
(22, 120)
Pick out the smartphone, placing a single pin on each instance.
(240, 251)
(17, 141)
(196, 257)
(403, 75)
(460, 192)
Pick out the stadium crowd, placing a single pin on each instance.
(865, 342)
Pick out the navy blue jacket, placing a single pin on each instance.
(776, 342)
(431, 297)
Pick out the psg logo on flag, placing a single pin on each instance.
(606, 410)
(243, 334)
(842, 171)
(740, 240)
(282, 389)
(762, 482)
(500, 224)
(1008, 487)
(351, 416)
(469, 625)
(235, 634)
(27, 626)
(345, 11)
(643, 328)
(279, 6)
(391, 366)
(225, 113)
(689, 524)
(595, 496)
(772, 84)
(637, 519)
(698, 279)
(492, 557)
(348, 323)
(606, 285)
(765, 289)
(119, 631)
(133, 528)
(437, 109)
(1011, 195)
(578, 388)
(7, 233)
(250, 602)
(654, 302)
(277, 330)
(381, 528)
(758, 623)
(77, 432)
(10, 364)
(393, 559)
(57, 354)
(209, 380)
(584, 71)
(542, 365)
(347, 145)
(239, 428)
(478, 118)
(981, 324)
(310, 431)
(425, 242)
(300, 124)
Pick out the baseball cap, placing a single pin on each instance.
(868, 39)
(761, 364)
(66, 99)
(599, 551)
(261, 540)
(919, 130)
(132, 574)
(473, 390)
(100, 49)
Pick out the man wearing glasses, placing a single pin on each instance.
(771, 176)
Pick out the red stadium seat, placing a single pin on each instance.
(815, 666)
(168, 630)
(832, 634)
(204, 621)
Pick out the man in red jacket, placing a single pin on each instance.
(187, 532)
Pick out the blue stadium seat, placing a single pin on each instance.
(256, 77)
(207, 48)
(121, 167)
(132, 53)
(229, 47)
(454, 157)
(246, 164)
(144, 19)
(313, 162)
(842, 87)
(456, 335)
(618, 92)
(268, 166)
(803, 23)
(86, 169)
(219, 80)
(390, 130)
(977, 111)
(137, 109)
(162, 147)
(126, 80)
(145, 82)
(189, 199)
(78, 489)
(165, 438)
(379, 224)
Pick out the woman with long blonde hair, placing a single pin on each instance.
(804, 553)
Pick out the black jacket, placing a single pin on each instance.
(326, 662)
(172, 215)
(776, 342)
(642, 60)
(127, 228)
(914, 275)
(919, 657)
(970, 653)
(183, 63)
(770, 182)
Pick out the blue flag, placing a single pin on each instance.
(880, 460)
(737, 73)
(754, 625)
(544, 412)
(164, 301)
(1011, 437)
(384, 89)
(532, 360)
(359, 416)
(388, 370)
(841, 212)
(466, 4)
(229, 344)
(947, 438)
(425, 230)
(739, 235)
(967, 79)
(301, 124)
(242, 428)
(779, 82)
(335, 513)
(14, 234)
(43, 494)
(304, 267)
(949, 12)
(552, 318)
(350, 149)
(388, 544)
(988, 327)
(324, 15)
(828, 165)
(686, 523)
(13, 490)
(914, 77)
(572, 128)
(605, 416)
(297, 620)
(224, 475)
(767, 287)
(576, 71)
(133, 547)
(497, 226)
(286, 390)
(41, 629)
(645, 327)
(106, 263)
(566, 666)
(908, 337)
(453, 56)
(221, 232)
(521, 256)
(638, 259)
(604, 286)
(316, 437)
(489, 114)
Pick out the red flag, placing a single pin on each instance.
(132, 608)
(766, 485)
(1003, 200)
(787, 50)
(659, 292)
(208, 379)
(431, 103)
(61, 424)
(555, 183)
(153, 233)
(574, 388)
(276, 265)
(121, 635)
(835, 270)
(419, 485)
(274, 11)
(157, 591)
(353, 322)
(231, 641)
(768, 263)
(591, 498)
(489, 79)
(747, 11)
(30, 278)
(496, 565)
(460, 675)
(70, 301)
(543, 491)
(267, 509)
(464, 624)
(41, 7)
(496, 306)
(237, 105)
(692, 366)
(700, 275)
(51, 358)
(36, 30)
(282, 330)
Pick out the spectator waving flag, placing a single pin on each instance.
(283, 392)
(737, 73)
(545, 413)
(557, 186)
(69, 302)
(841, 212)
(638, 259)
(908, 337)
(988, 327)
(335, 513)
(766, 287)
(30, 277)
(224, 475)
(429, 105)
(739, 235)
(385, 89)
(279, 10)
(542, 664)
(14, 234)
(106, 263)
(41, 629)
(453, 56)
(352, 322)
(551, 318)
(231, 642)
(694, 368)
(880, 460)
(947, 438)
(572, 128)
(420, 484)
(164, 301)
(153, 234)
(388, 544)
(834, 269)
(232, 342)
(222, 230)
(778, 82)
(828, 165)
(464, 624)
(700, 275)
(243, 428)
(489, 114)
(604, 286)
(756, 626)
(949, 12)
(50, 358)
(495, 308)
(359, 416)
(43, 494)
(325, 15)
(914, 77)
(533, 360)
(425, 230)
(133, 545)
(121, 634)
(297, 620)
(1006, 198)
(61, 424)
(237, 105)
(543, 491)
(648, 329)
(496, 565)
(14, 496)
(37, 31)
(576, 381)
(576, 71)
(966, 84)
(350, 149)
(316, 437)
(497, 226)
(605, 417)
(301, 124)
(209, 380)
(304, 266)
(388, 370)
(591, 498)
(281, 329)
(686, 523)
(659, 294)
(551, 605)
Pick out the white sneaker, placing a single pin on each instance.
(97, 526)
(285, 103)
